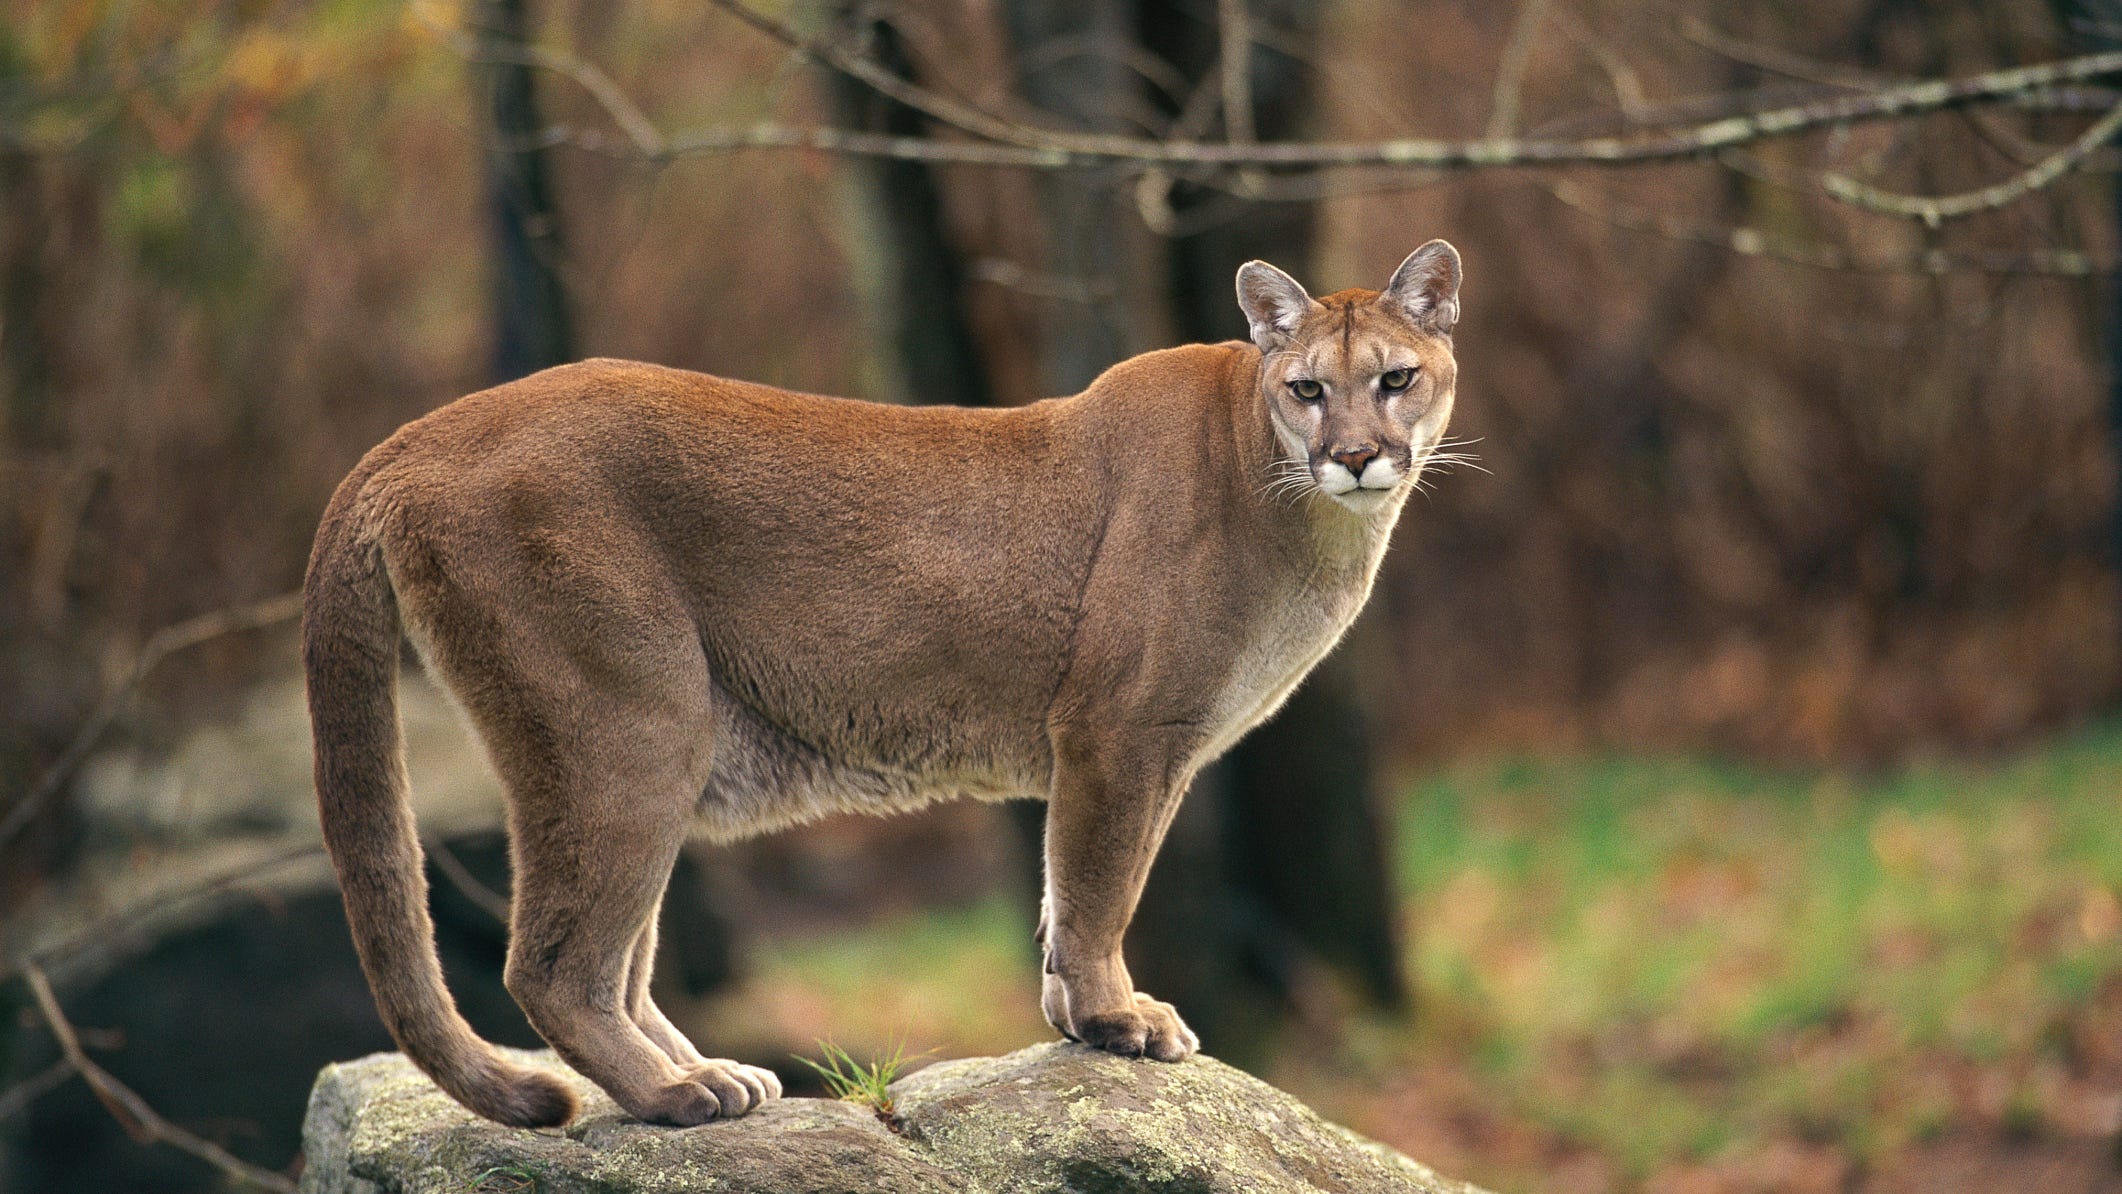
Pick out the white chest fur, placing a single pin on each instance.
(1283, 649)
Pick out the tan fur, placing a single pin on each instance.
(667, 600)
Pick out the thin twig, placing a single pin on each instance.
(1493, 151)
(160, 645)
(34, 1087)
(1153, 191)
(1510, 69)
(1935, 210)
(1778, 61)
(1023, 146)
(934, 105)
(1330, 184)
(1827, 74)
(460, 877)
(1753, 242)
(1009, 275)
(1626, 83)
(1050, 53)
(1234, 29)
(139, 1120)
(111, 930)
(483, 47)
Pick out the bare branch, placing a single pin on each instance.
(638, 128)
(1796, 66)
(163, 643)
(1007, 144)
(34, 1087)
(1510, 69)
(1168, 80)
(593, 80)
(1779, 61)
(1626, 83)
(109, 931)
(1753, 242)
(139, 1120)
(934, 105)
(1009, 275)
(1003, 142)
(1234, 29)
(489, 901)
(1935, 210)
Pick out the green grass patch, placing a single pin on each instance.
(1658, 958)
(1663, 961)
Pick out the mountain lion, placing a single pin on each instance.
(670, 602)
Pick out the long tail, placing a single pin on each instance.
(350, 635)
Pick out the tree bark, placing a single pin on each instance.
(533, 330)
(1070, 60)
(1300, 836)
(2097, 27)
(909, 271)
(1275, 869)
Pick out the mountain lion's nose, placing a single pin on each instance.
(1353, 459)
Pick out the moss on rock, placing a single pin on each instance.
(1049, 1118)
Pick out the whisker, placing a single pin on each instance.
(1446, 461)
(1286, 480)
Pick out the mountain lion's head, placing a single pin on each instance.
(1359, 384)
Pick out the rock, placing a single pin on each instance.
(1063, 1117)
(274, 959)
(1050, 1118)
(379, 1125)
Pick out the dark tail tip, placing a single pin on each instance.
(533, 1099)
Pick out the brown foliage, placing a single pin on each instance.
(1733, 502)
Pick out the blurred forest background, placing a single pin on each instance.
(1721, 792)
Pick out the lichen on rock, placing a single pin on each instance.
(1050, 1118)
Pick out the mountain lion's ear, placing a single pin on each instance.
(1426, 286)
(1273, 303)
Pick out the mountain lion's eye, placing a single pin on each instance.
(1307, 389)
(1396, 381)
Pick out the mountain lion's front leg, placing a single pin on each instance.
(1107, 814)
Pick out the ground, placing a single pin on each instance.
(1669, 975)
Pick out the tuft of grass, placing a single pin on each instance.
(869, 1084)
(505, 1179)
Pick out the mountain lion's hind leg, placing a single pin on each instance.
(601, 781)
(641, 1006)
(1107, 814)
(587, 885)
(763, 1084)
(590, 688)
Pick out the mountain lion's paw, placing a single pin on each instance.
(679, 1104)
(1152, 1029)
(738, 1089)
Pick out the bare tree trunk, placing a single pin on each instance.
(909, 272)
(1300, 835)
(2114, 391)
(700, 949)
(1275, 867)
(2097, 25)
(1275, 870)
(532, 328)
(1071, 61)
